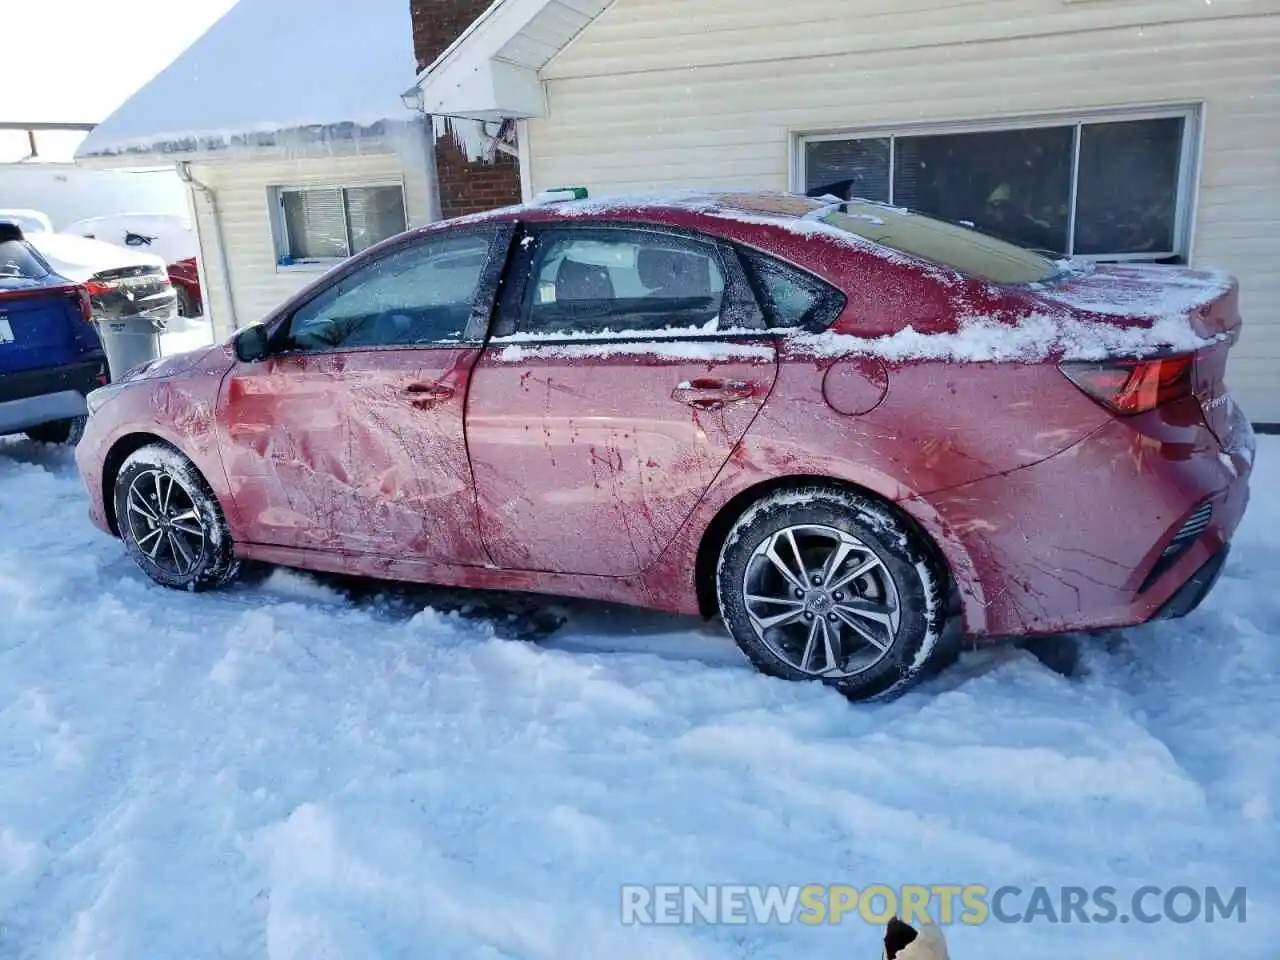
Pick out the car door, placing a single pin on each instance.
(626, 366)
(349, 437)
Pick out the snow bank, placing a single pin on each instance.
(278, 771)
(268, 66)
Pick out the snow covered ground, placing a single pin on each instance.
(292, 770)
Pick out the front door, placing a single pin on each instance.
(636, 364)
(350, 438)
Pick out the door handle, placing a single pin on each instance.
(712, 393)
(423, 395)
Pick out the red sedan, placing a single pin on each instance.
(858, 435)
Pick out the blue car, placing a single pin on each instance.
(50, 355)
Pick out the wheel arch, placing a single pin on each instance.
(114, 460)
(714, 536)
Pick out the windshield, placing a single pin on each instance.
(968, 251)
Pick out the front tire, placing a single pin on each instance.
(824, 584)
(58, 432)
(171, 522)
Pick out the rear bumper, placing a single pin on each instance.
(1082, 541)
(160, 307)
(32, 397)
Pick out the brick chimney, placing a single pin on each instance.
(466, 186)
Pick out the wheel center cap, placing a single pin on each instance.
(818, 601)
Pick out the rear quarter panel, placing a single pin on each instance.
(939, 425)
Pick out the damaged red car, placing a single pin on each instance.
(859, 436)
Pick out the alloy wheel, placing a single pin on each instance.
(822, 601)
(165, 524)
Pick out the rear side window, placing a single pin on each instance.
(791, 298)
(18, 263)
(615, 281)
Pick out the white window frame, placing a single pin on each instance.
(280, 230)
(1188, 161)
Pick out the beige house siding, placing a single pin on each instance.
(712, 93)
(242, 188)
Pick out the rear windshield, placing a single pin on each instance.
(968, 251)
(18, 263)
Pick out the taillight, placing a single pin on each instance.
(86, 305)
(97, 288)
(1134, 386)
(79, 296)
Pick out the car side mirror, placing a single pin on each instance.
(252, 344)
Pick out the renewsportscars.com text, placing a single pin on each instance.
(970, 904)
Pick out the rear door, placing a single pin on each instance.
(350, 437)
(627, 365)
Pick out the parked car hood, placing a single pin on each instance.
(80, 259)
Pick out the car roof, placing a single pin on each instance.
(749, 205)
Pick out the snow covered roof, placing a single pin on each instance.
(491, 71)
(333, 67)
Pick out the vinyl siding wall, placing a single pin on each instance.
(242, 188)
(712, 93)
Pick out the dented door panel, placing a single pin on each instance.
(590, 461)
(354, 451)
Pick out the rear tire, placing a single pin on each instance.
(824, 584)
(171, 523)
(186, 306)
(58, 432)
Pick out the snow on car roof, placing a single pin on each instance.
(269, 66)
(78, 258)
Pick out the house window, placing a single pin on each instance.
(318, 224)
(1105, 187)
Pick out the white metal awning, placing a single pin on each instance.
(491, 71)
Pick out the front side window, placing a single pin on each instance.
(421, 295)
(1093, 187)
(620, 281)
(333, 223)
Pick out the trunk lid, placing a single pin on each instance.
(38, 327)
(1141, 295)
(136, 291)
(1138, 295)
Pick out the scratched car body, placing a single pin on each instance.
(747, 405)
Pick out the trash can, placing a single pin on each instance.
(129, 342)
